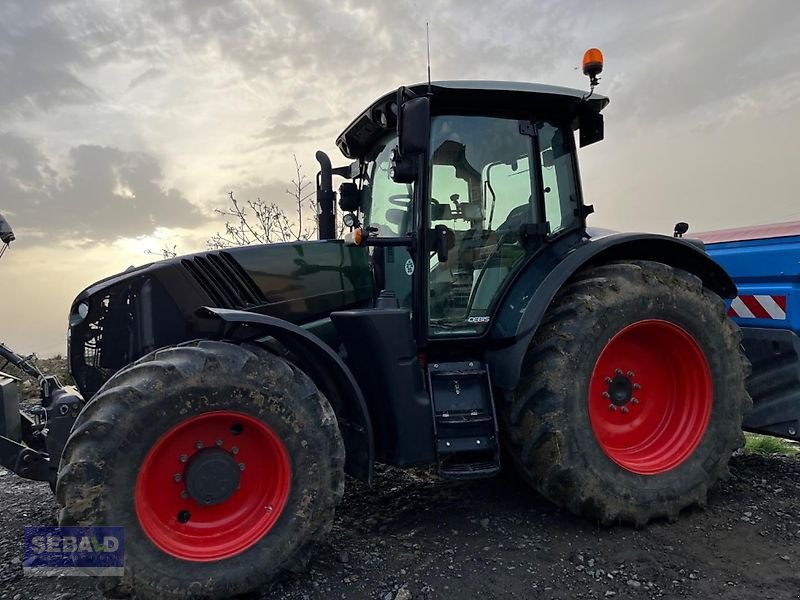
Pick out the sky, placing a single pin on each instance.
(124, 125)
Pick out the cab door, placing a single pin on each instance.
(503, 187)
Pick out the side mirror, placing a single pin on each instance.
(349, 197)
(413, 134)
(591, 128)
(414, 126)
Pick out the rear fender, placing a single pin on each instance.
(529, 296)
(330, 374)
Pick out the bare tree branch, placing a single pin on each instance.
(165, 252)
(259, 222)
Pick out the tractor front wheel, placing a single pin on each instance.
(632, 395)
(223, 463)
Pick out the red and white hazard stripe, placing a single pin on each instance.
(758, 307)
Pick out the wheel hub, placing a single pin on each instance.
(620, 390)
(212, 486)
(212, 476)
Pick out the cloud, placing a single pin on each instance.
(145, 77)
(695, 61)
(38, 68)
(105, 194)
(281, 132)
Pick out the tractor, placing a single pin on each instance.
(469, 319)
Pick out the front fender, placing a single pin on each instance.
(326, 369)
(530, 294)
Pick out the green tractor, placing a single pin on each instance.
(469, 318)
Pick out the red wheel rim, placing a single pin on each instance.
(650, 397)
(183, 527)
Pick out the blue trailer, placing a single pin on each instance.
(764, 261)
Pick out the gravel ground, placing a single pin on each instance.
(414, 536)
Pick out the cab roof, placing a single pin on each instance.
(465, 97)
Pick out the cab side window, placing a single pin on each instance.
(558, 177)
(389, 203)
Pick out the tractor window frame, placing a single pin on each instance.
(571, 150)
(578, 223)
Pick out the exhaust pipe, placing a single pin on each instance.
(326, 198)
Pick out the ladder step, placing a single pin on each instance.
(462, 418)
(461, 374)
(470, 470)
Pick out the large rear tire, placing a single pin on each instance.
(632, 395)
(223, 463)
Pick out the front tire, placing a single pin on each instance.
(223, 463)
(632, 395)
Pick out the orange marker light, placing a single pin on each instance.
(358, 236)
(592, 62)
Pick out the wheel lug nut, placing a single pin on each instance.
(634, 401)
(606, 395)
(241, 466)
(185, 495)
(624, 410)
(218, 442)
(612, 407)
(630, 374)
(636, 386)
(177, 477)
(235, 450)
(618, 371)
(608, 380)
(198, 445)
(183, 458)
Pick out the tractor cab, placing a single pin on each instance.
(458, 184)
(455, 187)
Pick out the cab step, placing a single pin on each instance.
(465, 424)
(478, 470)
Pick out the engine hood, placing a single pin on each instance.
(120, 318)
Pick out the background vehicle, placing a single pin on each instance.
(44, 433)
(764, 261)
(472, 311)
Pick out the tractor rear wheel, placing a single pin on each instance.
(632, 394)
(223, 463)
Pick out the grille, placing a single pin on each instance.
(224, 280)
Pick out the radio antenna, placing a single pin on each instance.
(428, 41)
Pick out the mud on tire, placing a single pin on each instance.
(558, 446)
(131, 413)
